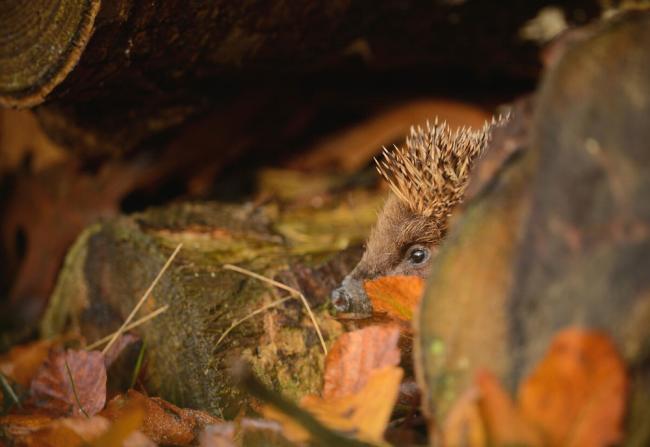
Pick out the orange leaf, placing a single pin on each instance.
(363, 415)
(355, 355)
(577, 393)
(124, 430)
(69, 432)
(32, 430)
(52, 388)
(398, 296)
(15, 426)
(21, 362)
(503, 421)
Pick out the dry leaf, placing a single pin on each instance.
(355, 355)
(577, 394)
(363, 415)
(21, 362)
(15, 426)
(32, 430)
(397, 296)
(124, 430)
(53, 390)
(69, 432)
(575, 397)
(163, 422)
(503, 421)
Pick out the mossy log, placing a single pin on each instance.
(144, 67)
(113, 263)
(561, 237)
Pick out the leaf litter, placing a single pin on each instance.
(576, 395)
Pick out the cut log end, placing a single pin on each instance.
(42, 41)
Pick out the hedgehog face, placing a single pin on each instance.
(428, 178)
(402, 243)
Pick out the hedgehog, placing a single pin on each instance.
(427, 178)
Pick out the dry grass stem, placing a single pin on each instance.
(250, 315)
(133, 325)
(74, 389)
(142, 300)
(291, 290)
(10, 390)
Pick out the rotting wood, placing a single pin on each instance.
(113, 263)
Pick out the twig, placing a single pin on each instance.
(133, 325)
(252, 314)
(10, 390)
(74, 388)
(142, 300)
(317, 430)
(291, 290)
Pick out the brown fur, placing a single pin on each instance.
(397, 229)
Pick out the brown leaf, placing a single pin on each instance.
(68, 432)
(575, 397)
(53, 390)
(15, 426)
(32, 430)
(21, 362)
(355, 355)
(50, 209)
(397, 296)
(163, 422)
(124, 430)
(363, 415)
(577, 393)
(503, 421)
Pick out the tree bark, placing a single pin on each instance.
(115, 73)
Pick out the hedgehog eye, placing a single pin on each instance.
(417, 254)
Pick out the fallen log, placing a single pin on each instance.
(115, 73)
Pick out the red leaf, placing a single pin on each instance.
(52, 388)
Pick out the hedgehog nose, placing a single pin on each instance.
(341, 299)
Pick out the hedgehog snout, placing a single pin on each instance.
(341, 299)
(350, 297)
